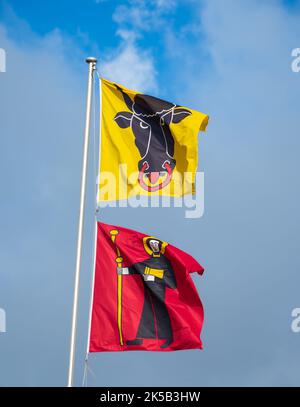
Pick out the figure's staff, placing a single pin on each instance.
(119, 260)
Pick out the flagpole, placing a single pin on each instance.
(91, 61)
(96, 227)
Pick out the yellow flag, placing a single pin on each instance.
(148, 146)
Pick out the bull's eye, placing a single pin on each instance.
(144, 125)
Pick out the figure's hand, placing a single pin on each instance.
(148, 277)
(122, 270)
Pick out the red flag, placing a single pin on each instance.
(144, 297)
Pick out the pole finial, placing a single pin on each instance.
(91, 60)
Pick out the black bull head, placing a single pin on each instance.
(149, 119)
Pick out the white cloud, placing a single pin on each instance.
(132, 67)
(131, 64)
(142, 15)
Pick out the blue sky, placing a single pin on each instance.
(229, 59)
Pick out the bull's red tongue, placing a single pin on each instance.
(153, 177)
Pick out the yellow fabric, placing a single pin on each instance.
(118, 148)
(154, 272)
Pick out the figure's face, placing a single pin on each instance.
(154, 245)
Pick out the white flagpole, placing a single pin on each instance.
(96, 227)
(92, 66)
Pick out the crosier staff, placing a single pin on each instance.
(119, 260)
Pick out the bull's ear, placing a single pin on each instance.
(123, 119)
(179, 114)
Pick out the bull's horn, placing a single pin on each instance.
(127, 100)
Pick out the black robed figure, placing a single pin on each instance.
(157, 274)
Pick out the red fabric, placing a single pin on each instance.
(183, 303)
